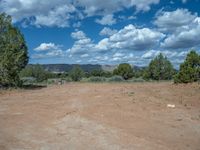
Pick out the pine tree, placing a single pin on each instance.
(160, 68)
(189, 69)
(13, 52)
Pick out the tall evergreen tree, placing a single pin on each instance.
(189, 69)
(13, 52)
(160, 68)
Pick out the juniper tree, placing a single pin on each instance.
(160, 68)
(13, 52)
(189, 70)
(125, 70)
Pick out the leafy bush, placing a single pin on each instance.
(68, 79)
(76, 73)
(116, 79)
(97, 73)
(125, 70)
(36, 71)
(28, 80)
(97, 79)
(136, 80)
(139, 72)
(50, 81)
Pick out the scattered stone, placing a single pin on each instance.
(179, 119)
(171, 106)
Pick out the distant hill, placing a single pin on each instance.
(68, 67)
(85, 67)
(108, 67)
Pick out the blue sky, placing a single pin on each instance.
(106, 31)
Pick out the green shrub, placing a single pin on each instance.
(35, 71)
(68, 79)
(124, 70)
(50, 81)
(116, 79)
(76, 73)
(28, 80)
(136, 80)
(97, 73)
(97, 79)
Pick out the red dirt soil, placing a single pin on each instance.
(101, 116)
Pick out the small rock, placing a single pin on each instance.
(171, 106)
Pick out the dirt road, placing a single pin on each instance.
(103, 116)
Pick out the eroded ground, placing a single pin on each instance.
(101, 116)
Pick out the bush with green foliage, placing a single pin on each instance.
(189, 69)
(116, 79)
(87, 74)
(37, 72)
(107, 74)
(97, 79)
(67, 79)
(28, 80)
(76, 73)
(97, 73)
(160, 68)
(124, 70)
(58, 75)
(13, 52)
(139, 72)
(140, 79)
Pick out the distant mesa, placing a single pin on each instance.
(60, 68)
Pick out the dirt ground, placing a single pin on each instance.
(116, 116)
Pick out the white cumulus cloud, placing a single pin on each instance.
(131, 38)
(128, 38)
(173, 20)
(60, 13)
(46, 47)
(107, 31)
(183, 29)
(45, 50)
(106, 20)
